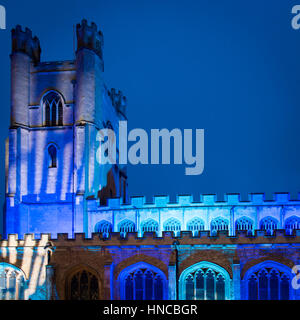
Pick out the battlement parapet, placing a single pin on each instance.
(150, 238)
(89, 37)
(28, 240)
(206, 200)
(22, 41)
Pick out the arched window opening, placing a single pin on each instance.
(125, 227)
(104, 227)
(12, 285)
(200, 294)
(268, 283)
(143, 284)
(52, 152)
(53, 108)
(210, 285)
(195, 225)
(149, 285)
(189, 283)
(244, 224)
(11, 282)
(84, 286)
(274, 285)
(291, 224)
(253, 288)
(129, 287)
(150, 226)
(158, 288)
(204, 283)
(173, 224)
(284, 287)
(218, 224)
(138, 279)
(269, 224)
(220, 287)
(263, 285)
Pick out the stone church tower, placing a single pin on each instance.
(63, 239)
(57, 108)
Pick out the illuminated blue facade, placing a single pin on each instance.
(230, 215)
(81, 247)
(57, 108)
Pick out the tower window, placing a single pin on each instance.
(52, 156)
(53, 108)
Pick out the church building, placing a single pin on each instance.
(72, 232)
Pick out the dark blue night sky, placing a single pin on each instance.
(229, 67)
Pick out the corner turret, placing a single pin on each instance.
(25, 51)
(89, 37)
(89, 73)
(22, 41)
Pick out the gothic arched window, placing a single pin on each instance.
(189, 284)
(83, 285)
(292, 223)
(263, 284)
(104, 227)
(142, 283)
(220, 287)
(269, 224)
(284, 287)
(52, 153)
(253, 287)
(268, 281)
(244, 224)
(204, 281)
(11, 282)
(268, 284)
(149, 225)
(126, 226)
(173, 224)
(129, 287)
(218, 224)
(53, 109)
(195, 225)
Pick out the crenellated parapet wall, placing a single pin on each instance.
(88, 36)
(208, 214)
(23, 41)
(168, 238)
(230, 199)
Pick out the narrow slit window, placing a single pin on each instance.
(52, 157)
